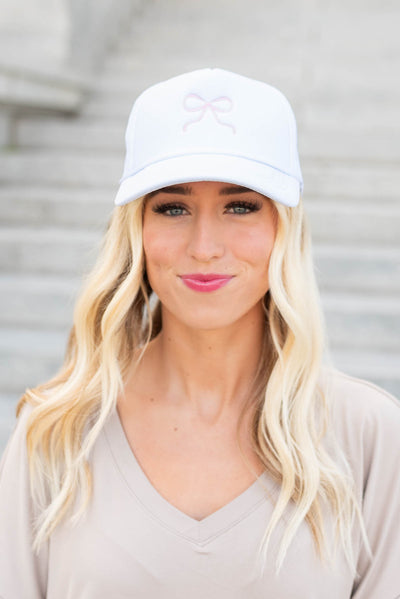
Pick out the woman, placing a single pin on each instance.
(192, 444)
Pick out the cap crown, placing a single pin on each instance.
(212, 111)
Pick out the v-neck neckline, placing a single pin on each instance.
(171, 517)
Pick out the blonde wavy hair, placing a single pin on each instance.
(113, 322)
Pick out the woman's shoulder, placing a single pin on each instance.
(23, 415)
(16, 445)
(365, 417)
(357, 397)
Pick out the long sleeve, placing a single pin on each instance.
(23, 574)
(368, 424)
(380, 577)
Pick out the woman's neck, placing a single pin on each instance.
(207, 372)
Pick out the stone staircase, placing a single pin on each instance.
(58, 183)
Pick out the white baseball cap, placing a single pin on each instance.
(212, 125)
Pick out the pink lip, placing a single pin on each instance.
(208, 282)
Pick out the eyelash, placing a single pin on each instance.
(248, 206)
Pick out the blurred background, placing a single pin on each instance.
(70, 71)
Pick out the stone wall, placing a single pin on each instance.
(49, 50)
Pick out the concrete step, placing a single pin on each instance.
(35, 88)
(359, 268)
(381, 368)
(110, 106)
(65, 168)
(354, 320)
(349, 222)
(37, 302)
(54, 206)
(354, 82)
(362, 180)
(48, 250)
(347, 143)
(29, 357)
(357, 116)
(64, 134)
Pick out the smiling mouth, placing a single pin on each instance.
(205, 282)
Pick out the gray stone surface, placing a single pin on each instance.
(94, 26)
(338, 63)
(48, 251)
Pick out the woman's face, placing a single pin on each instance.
(207, 247)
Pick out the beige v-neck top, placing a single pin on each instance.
(133, 543)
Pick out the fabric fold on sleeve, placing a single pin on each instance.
(23, 574)
(380, 576)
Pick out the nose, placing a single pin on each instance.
(206, 238)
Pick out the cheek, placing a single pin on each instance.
(160, 250)
(255, 246)
(153, 249)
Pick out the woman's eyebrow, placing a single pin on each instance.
(175, 189)
(226, 191)
(187, 190)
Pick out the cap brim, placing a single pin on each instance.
(258, 176)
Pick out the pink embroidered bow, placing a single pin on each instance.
(195, 103)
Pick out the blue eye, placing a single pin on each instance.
(169, 209)
(175, 211)
(242, 207)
